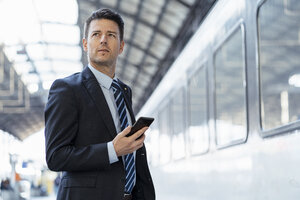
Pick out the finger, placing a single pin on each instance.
(125, 131)
(141, 139)
(140, 142)
(139, 133)
(137, 144)
(141, 145)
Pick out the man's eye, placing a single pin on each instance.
(112, 35)
(96, 34)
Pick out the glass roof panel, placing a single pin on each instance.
(143, 35)
(144, 80)
(64, 52)
(150, 65)
(21, 17)
(172, 20)
(128, 27)
(160, 45)
(111, 3)
(36, 51)
(44, 66)
(135, 56)
(66, 67)
(59, 33)
(131, 72)
(65, 11)
(130, 6)
(151, 10)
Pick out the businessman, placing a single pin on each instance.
(87, 118)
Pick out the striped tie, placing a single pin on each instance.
(129, 158)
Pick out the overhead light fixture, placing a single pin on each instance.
(295, 80)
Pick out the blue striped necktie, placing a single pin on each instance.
(129, 158)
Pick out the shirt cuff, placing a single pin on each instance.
(112, 153)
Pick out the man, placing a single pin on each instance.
(84, 113)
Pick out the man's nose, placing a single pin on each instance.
(103, 39)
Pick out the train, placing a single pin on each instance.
(227, 111)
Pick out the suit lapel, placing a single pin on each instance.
(91, 84)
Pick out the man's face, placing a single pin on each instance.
(103, 43)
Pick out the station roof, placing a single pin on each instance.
(155, 33)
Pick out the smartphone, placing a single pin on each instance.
(140, 123)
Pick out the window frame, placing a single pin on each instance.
(240, 25)
(283, 129)
(200, 64)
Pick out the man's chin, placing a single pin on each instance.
(102, 62)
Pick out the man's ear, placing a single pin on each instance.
(84, 44)
(121, 46)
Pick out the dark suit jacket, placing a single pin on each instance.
(78, 125)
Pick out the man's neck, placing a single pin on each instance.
(109, 71)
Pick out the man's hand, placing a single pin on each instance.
(124, 145)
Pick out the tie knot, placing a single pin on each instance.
(115, 86)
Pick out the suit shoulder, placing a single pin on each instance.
(69, 80)
(64, 89)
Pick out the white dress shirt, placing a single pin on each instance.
(105, 84)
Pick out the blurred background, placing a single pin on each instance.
(220, 77)
(40, 41)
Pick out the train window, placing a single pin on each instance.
(197, 101)
(230, 90)
(279, 50)
(164, 134)
(178, 124)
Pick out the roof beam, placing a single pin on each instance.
(140, 48)
(184, 3)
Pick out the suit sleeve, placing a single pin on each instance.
(61, 127)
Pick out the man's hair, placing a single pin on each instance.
(104, 14)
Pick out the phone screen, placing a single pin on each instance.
(140, 123)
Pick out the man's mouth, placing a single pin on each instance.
(103, 50)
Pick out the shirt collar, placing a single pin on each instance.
(102, 78)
